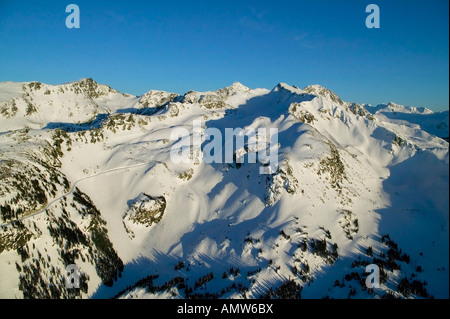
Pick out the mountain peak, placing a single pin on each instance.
(319, 90)
(234, 88)
(93, 88)
(395, 107)
(238, 85)
(88, 80)
(154, 98)
(83, 82)
(280, 87)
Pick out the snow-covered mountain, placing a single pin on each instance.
(421, 118)
(35, 104)
(87, 178)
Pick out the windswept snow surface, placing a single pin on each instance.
(355, 185)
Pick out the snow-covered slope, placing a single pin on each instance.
(35, 104)
(354, 185)
(421, 118)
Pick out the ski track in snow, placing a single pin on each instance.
(72, 188)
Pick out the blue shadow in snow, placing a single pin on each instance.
(73, 127)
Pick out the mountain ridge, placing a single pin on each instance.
(350, 188)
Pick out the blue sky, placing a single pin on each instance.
(135, 46)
